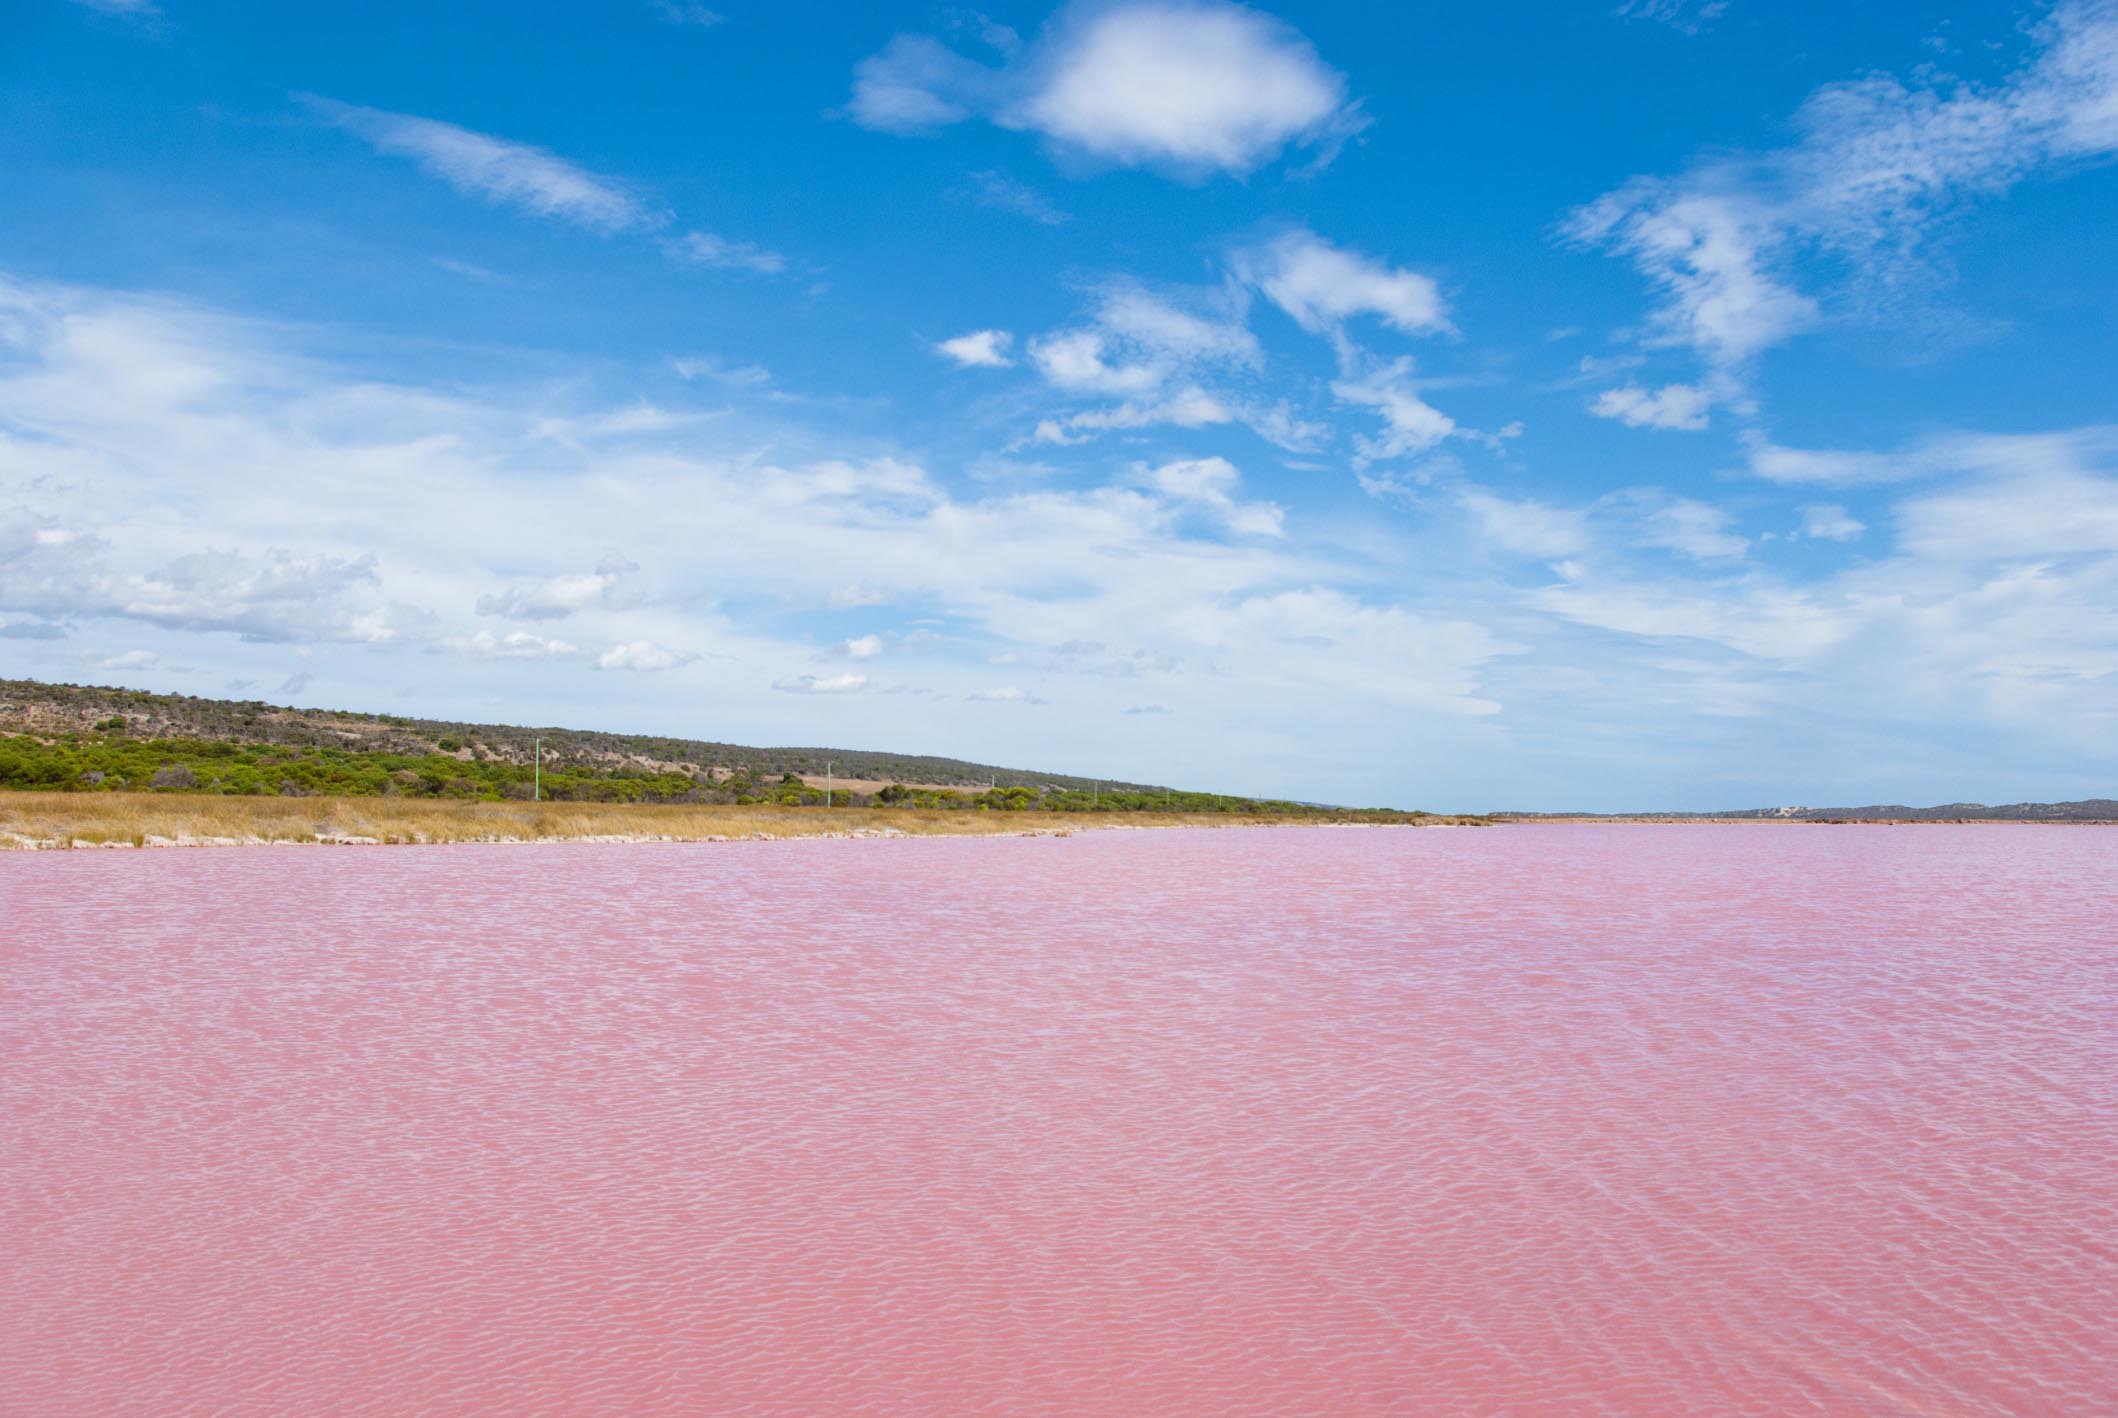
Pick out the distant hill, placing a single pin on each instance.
(33, 707)
(2087, 810)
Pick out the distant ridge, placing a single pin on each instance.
(33, 706)
(2086, 810)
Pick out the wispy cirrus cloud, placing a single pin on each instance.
(712, 250)
(687, 12)
(535, 180)
(496, 170)
(1684, 16)
(848, 683)
(996, 191)
(1879, 165)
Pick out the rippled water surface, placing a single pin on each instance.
(1537, 1120)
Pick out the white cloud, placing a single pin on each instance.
(1202, 87)
(1710, 252)
(1076, 360)
(687, 12)
(810, 684)
(1937, 456)
(1672, 406)
(985, 349)
(1527, 528)
(130, 660)
(714, 251)
(500, 171)
(1140, 341)
(1160, 325)
(860, 647)
(2020, 513)
(720, 371)
(1833, 465)
(60, 573)
(1831, 523)
(856, 595)
(642, 655)
(1010, 694)
(917, 84)
(1321, 285)
(1684, 16)
(560, 596)
(1209, 483)
(996, 190)
(1687, 526)
(1411, 424)
(1193, 88)
(517, 645)
(1188, 408)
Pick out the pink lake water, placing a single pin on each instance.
(1534, 1120)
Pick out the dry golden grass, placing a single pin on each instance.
(170, 819)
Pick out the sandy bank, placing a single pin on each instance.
(62, 821)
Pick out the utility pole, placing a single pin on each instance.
(537, 772)
(827, 782)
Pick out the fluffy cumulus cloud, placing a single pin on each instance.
(1321, 285)
(1191, 88)
(559, 596)
(644, 656)
(980, 349)
(515, 645)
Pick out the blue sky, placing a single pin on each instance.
(1669, 405)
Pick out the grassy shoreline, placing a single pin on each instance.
(62, 821)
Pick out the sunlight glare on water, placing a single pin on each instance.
(1535, 1120)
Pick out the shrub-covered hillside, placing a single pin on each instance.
(72, 738)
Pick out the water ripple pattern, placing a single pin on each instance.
(1539, 1120)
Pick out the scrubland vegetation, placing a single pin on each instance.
(92, 765)
(110, 760)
